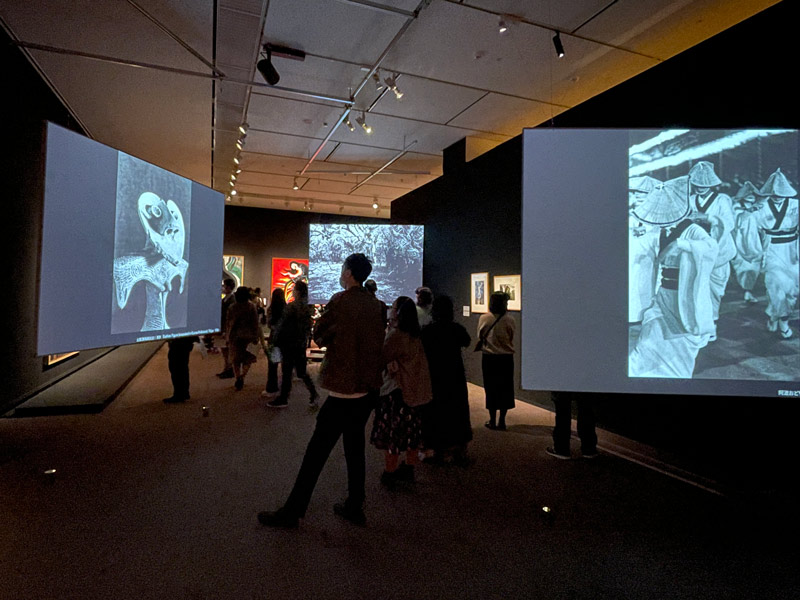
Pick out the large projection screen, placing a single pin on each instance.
(130, 252)
(661, 261)
(395, 251)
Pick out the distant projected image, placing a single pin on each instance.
(713, 273)
(151, 248)
(395, 251)
(286, 272)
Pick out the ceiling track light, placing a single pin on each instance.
(502, 26)
(236, 160)
(363, 122)
(243, 128)
(558, 45)
(375, 204)
(239, 145)
(267, 69)
(350, 126)
(233, 192)
(294, 185)
(391, 83)
(377, 78)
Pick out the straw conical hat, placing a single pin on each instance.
(665, 205)
(702, 175)
(747, 189)
(778, 185)
(643, 183)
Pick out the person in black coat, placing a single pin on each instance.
(446, 423)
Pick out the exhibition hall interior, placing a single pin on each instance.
(625, 172)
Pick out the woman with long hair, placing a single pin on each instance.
(277, 305)
(397, 426)
(496, 331)
(242, 329)
(292, 339)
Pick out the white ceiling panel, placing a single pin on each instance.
(284, 115)
(270, 143)
(174, 136)
(564, 15)
(505, 114)
(427, 100)
(329, 28)
(664, 28)
(104, 28)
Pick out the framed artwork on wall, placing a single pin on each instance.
(479, 292)
(233, 267)
(511, 285)
(286, 272)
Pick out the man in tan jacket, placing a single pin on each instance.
(351, 328)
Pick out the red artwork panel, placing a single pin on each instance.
(287, 271)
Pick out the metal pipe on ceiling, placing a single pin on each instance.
(398, 155)
(176, 37)
(177, 71)
(410, 19)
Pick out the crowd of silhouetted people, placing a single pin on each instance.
(402, 361)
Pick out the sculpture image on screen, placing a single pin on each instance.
(713, 254)
(150, 248)
(395, 251)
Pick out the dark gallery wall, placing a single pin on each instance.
(472, 217)
(30, 104)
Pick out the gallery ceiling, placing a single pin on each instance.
(171, 81)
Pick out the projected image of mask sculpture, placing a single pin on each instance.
(158, 264)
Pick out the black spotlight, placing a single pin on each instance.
(267, 70)
(557, 43)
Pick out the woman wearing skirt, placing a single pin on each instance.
(397, 426)
(496, 331)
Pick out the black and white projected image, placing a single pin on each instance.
(151, 248)
(713, 273)
(395, 251)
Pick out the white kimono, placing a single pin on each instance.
(747, 271)
(680, 322)
(642, 268)
(721, 207)
(762, 233)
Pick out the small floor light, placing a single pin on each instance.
(558, 45)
